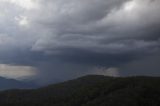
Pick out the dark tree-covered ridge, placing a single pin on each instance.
(92, 90)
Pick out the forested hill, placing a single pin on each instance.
(89, 91)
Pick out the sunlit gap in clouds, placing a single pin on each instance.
(26, 4)
(129, 6)
(17, 72)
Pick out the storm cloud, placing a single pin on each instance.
(66, 39)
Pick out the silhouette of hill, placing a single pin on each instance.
(93, 90)
(13, 84)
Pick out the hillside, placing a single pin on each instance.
(89, 91)
(13, 84)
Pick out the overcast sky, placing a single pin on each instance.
(56, 40)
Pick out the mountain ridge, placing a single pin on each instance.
(89, 91)
(6, 83)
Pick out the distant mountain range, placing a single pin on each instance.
(90, 90)
(15, 84)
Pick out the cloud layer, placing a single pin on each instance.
(71, 38)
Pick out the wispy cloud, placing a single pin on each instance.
(113, 71)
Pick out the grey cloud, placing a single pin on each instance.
(60, 36)
(114, 36)
(74, 34)
(148, 66)
(112, 71)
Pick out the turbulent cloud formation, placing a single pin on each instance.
(70, 38)
(78, 30)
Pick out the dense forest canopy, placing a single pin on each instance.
(89, 91)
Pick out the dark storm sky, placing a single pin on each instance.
(55, 40)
